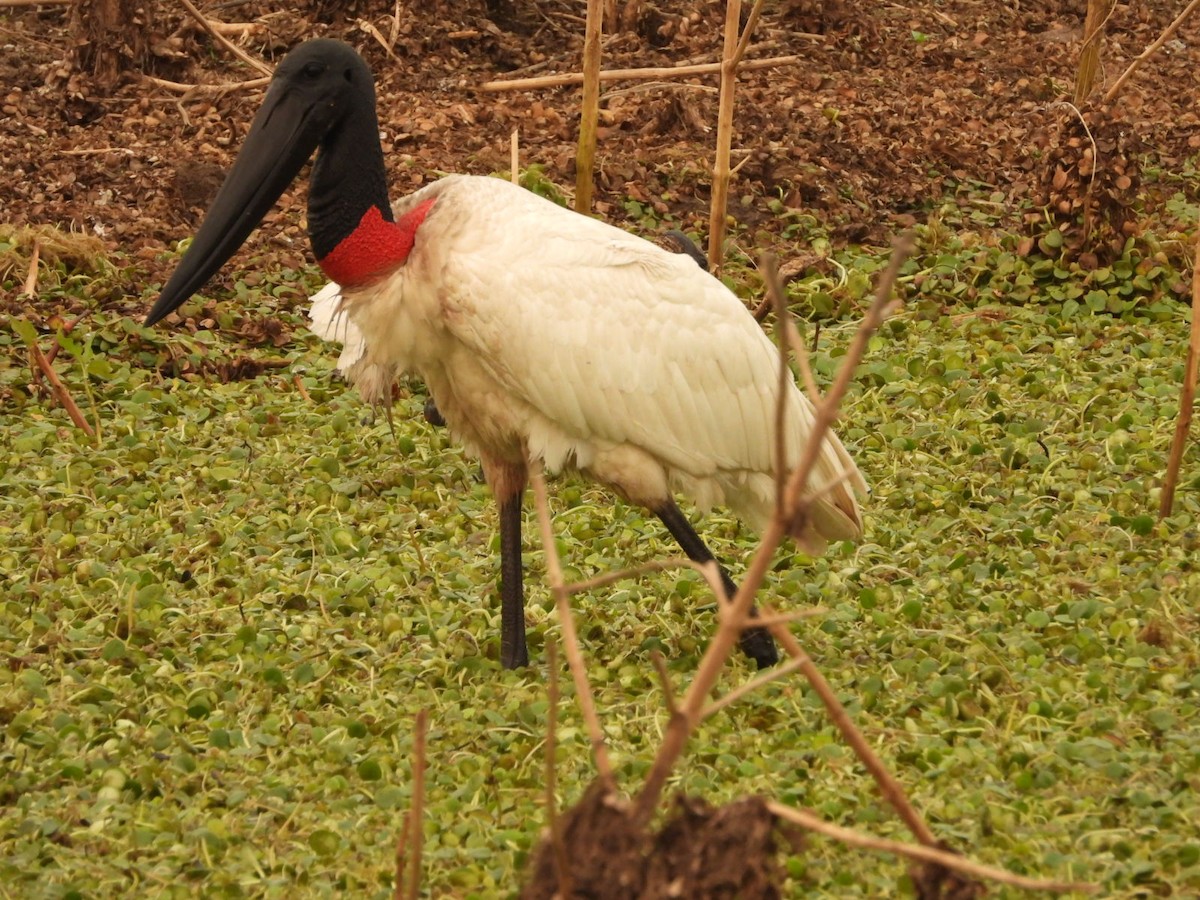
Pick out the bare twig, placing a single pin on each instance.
(410, 840)
(664, 678)
(66, 329)
(415, 832)
(942, 858)
(753, 684)
(180, 88)
(1187, 397)
(747, 32)
(301, 389)
(514, 156)
(570, 641)
(799, 615)
(589, 113)
(224, 41)
(30, 286)
(374, 32)
(570, 78)
(607, 578)
(1098, 14)
(556, 838)
(719, 201)
(888, 786)
(1149, 51)
(64, 397)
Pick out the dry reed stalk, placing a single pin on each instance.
(411, 837)
(552, 823)
(30, 286)
(1187, 396)
(925, 854)
(1150, 51)
(224, 41)
(60, 391)
(587, 702)
(720, 186)
(589, 112)
(1098, 12)
(178, 87)
(570, 78)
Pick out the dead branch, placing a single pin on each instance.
(552, 823)
(719, 202)
(415, 832)
(181, 88)
(1187, 396)
(664, 679)
(1098, 14)
(587, 702)
(747, 32)
(572, 78)
(224, 41)
(30, 286)
(888, 786)
(752, 685)
(658, 565)
(589, 112)
(60, 392)
(925, 854)
(374, 32)
(66, 329)
(1149, 51)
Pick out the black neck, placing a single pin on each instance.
(348, 177)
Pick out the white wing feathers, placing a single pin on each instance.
(606, 341)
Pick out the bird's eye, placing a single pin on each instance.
(313, 70)
(348, 75)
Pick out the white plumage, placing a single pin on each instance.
(549, 335)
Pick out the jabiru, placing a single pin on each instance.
(545, 338)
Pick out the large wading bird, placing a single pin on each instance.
(546, 338)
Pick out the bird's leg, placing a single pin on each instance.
(756, 643)
(508, 485)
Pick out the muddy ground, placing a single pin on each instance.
(890, 109)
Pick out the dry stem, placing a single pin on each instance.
(224, 41)
(888, 786)
(926, 854)
(664, 678)
(60, 391)
(562, 601)
(556, 838)
(753, 684)
(589, 113)
(1187, 397)
(30, 287)
(181, 88)
(720, 185)
(1149, 51)
(570, 78)
(412, 827)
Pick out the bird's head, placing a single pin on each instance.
(316, 89)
